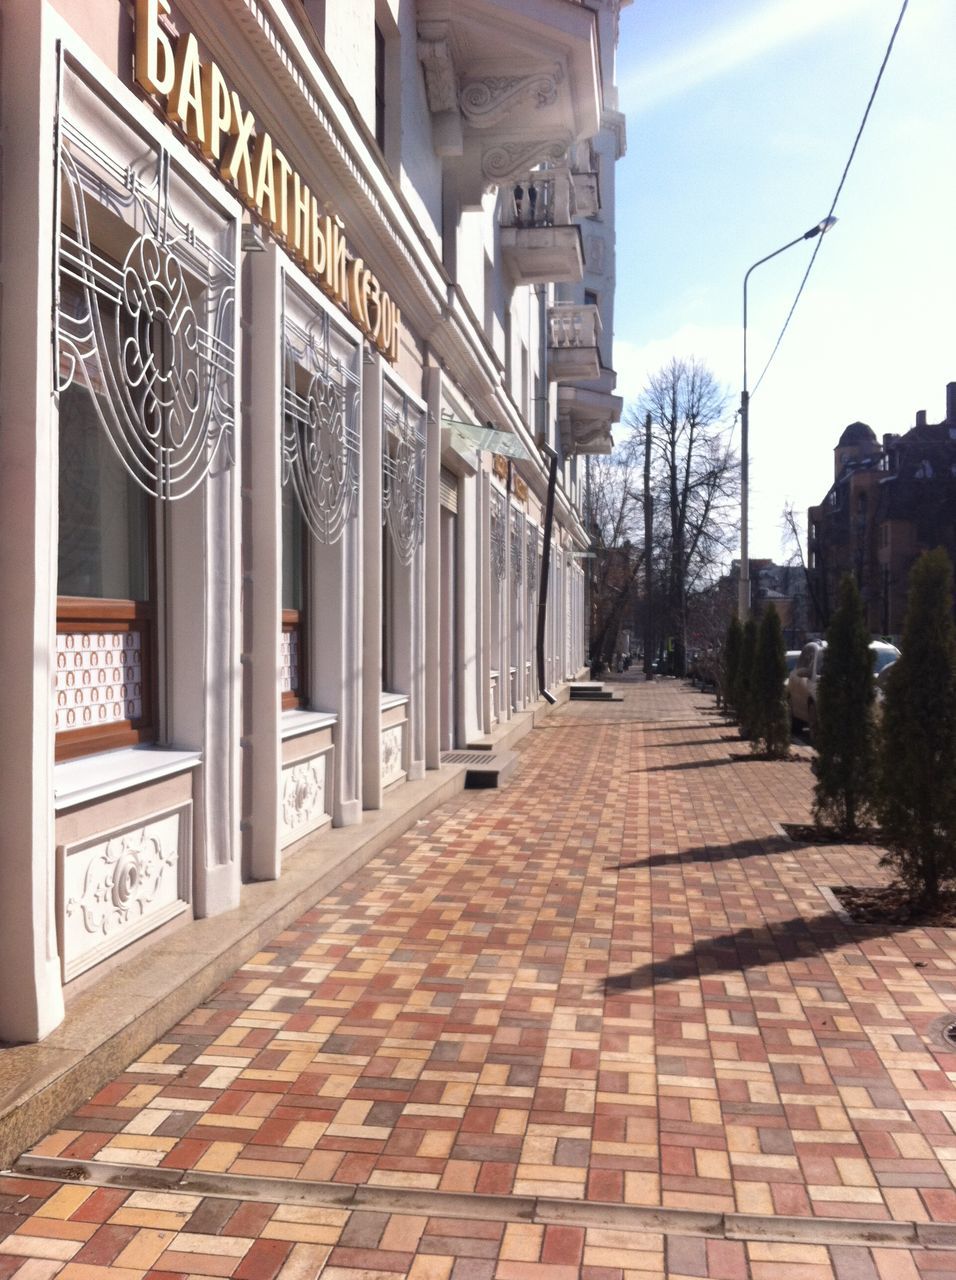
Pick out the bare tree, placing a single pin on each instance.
(696, 483)
(614, 518)
(817, 587)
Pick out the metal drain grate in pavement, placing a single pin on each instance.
(942, 1030)
(466, 757)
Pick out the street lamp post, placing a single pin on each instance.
(743, 583)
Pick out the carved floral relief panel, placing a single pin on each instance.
(393, 753)
(116, 887)
(304, 791)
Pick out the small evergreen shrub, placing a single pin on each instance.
(917, 785)
(769, 716)
(730, 661)
(743, 684)
(845, 739)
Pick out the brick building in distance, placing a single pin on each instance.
(889, 502)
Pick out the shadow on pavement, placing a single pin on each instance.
(751, 848)
(687, 764)
(781, 941)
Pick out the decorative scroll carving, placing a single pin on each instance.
(517, 545)
(393, 742)
(487, 102)
(320, 435)
(507, 161)
(121, 883)
(403, 461)
(303, 794)
(152, 338)
(99, 678)
(434, 53)
(498, 531)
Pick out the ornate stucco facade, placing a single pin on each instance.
(299, 300)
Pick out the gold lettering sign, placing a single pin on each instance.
(196, 96)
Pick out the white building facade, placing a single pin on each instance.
(306, 307)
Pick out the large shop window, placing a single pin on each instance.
(106, 625)
(320, 473)
(145, 370)
(294, 595)
(403, 515)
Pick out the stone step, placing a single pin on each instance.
(483, 768)
(593, 691)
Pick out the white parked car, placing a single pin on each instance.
(804, 679)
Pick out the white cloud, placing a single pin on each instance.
(726, 48)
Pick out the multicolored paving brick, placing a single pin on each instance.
(614, 981)
(96, 1233)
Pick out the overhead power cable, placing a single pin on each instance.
(846, 170)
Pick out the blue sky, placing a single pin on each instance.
(740, 118)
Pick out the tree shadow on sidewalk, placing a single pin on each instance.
(687, 764)
(750, 848)
(781, 941)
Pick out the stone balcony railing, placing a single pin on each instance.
(573, 331)
(539, 242)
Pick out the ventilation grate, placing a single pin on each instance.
(466, 757)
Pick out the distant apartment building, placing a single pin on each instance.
(889, 502)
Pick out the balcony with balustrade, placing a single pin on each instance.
(573, 332)
(586, 415)
(539, 241)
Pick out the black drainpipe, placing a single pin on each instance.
(545, 569)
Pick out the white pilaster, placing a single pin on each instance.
(31, 997)
(434, 675)
(262, 743)
(372, 534)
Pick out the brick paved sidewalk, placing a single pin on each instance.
(612, 988)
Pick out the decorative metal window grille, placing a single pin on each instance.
(403, 472)
(534, 566)
(151, 337)
(517, 545)
(498, 528)
(320, 432)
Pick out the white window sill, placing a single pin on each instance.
(90, 777)
(295, 723)
(390, 700)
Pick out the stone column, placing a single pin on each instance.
(262, 595)
(31, 997)
(372, 534)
